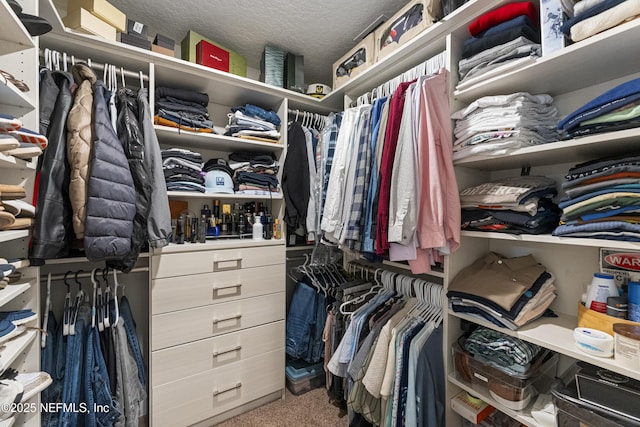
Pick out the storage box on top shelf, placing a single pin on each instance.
(514, 391)
(133, 40)
(551, 19)
(85, 22)
(137, 29)
(355, 62)
(410, 21)
(272, 66)
(212, 56)
(101, 9)
(237, 64)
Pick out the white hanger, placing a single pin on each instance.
(76, 305)
(107, 82)
(95, 297)
(47, 307)
(106, 301)
(115, 296)
(141, 80)
(67, 307)
(123, 85)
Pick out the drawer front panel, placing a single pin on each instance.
(196, 398)
(211, 261)
(180, 327)
(180, 293)
(176, 363)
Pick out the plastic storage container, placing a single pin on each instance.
(512, 391)
(303, 377)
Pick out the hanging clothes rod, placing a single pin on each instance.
(293, 112)
(58, 60)
(86, 274)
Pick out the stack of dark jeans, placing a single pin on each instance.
(183, 170)
(253, 122)
(255, 173)
(183, 107)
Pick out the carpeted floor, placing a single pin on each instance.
(311, 409)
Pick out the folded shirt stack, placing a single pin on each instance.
(508, 292)
(594, 16)
(602, 200)
(255, 173)
(183, 170)
(500, 38)
(615, 109)
(518, 205)
(494, 125)
(253, 122)
(181, 108)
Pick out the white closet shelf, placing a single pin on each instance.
(208, 196)
(12, 100)
(11, 291)
(223, 88)
(547, 238)
(173, 136)
(422, 47)
(75, 260)
(11, 349)
(10, 162)
(556, 334)
(218, 244)
(481, 392)
(573, 150)
(7, 236)
(13, 36)
(554, 74)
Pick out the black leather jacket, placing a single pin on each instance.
(53, 232)
(131, 137)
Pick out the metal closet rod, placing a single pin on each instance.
(290, 111)
(98, 66)
(86, 274)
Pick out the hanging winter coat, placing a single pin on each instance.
(131, 137)
(111, 193)
(79, 140)
(53, 233)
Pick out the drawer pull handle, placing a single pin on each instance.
(218, 353)
(231, 263)
(217, 392)
(224, 319)
(217, 288)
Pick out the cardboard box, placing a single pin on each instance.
(101, 9)
(162, 50)
(84, 21)
(410, 21)
(212, 56)
(136, 41)
(237, 64)
(354, 62)
(551, 19)
(472, 411)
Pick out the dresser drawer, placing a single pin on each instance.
(181, 361)
(179, 293)
(180, 327)
(210, 261)
(199, 397)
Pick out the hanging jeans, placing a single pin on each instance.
(301, 315)
(96, 383)
(53, 362)
(130, 393)
(132, 337)
(72, 392)
(316, 345)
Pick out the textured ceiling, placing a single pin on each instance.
(322, 31)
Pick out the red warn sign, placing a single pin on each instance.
(623, 260)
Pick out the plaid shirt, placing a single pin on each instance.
(361, 182)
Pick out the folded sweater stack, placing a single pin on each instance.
(255, 173)
(594, 16)
(181, 108)
(183, 170)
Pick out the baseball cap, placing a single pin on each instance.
(217, 164)
(218, 181)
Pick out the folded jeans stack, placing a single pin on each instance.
(613, 110)
(255, 173)
(500, 38)
(183, 170)
(594, 16)
(183, 109)
(602, 200)
(508, 292)
(253, 122)
(494, 125)
(517, 205)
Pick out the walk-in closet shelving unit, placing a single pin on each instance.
(18, 56)
(573, 76)
(215, 310)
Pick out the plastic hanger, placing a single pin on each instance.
(106, 299)
(115, 297)
(122, 76)
(141, 79)
(76, 305)
(67, 306)
(64, 61)
(94, 309)
(47, 307)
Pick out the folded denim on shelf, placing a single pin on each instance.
(157, 120)
(192, 120)
(256, 178)
(258, 112)
(184, 94)
(238, 118)
(183, 109)
(248, 156)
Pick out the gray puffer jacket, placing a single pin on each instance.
(111, 196)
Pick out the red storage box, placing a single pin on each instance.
(212, 56)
